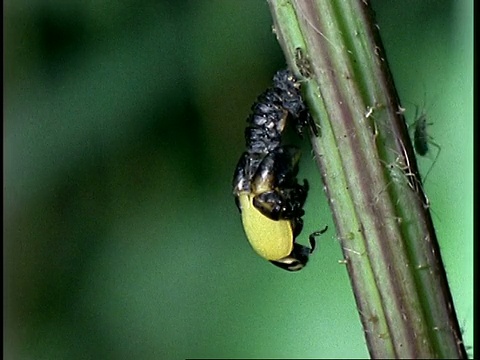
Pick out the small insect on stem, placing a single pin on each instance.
(422, 140)
(305, 69)
(400, 171)
(303, 64)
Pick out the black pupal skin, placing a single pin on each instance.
(245, 172)
(266, 166)
(278, 168)
(280, 103)
(288, 89)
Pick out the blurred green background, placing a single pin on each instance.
(123, 124)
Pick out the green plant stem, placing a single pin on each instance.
(371, 178)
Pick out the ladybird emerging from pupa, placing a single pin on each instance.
(265, 186)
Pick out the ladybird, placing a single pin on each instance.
(265, 186)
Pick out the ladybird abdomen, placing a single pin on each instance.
(272, 240)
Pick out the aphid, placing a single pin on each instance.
(303, 64)
(265, 186)
(422, 140)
